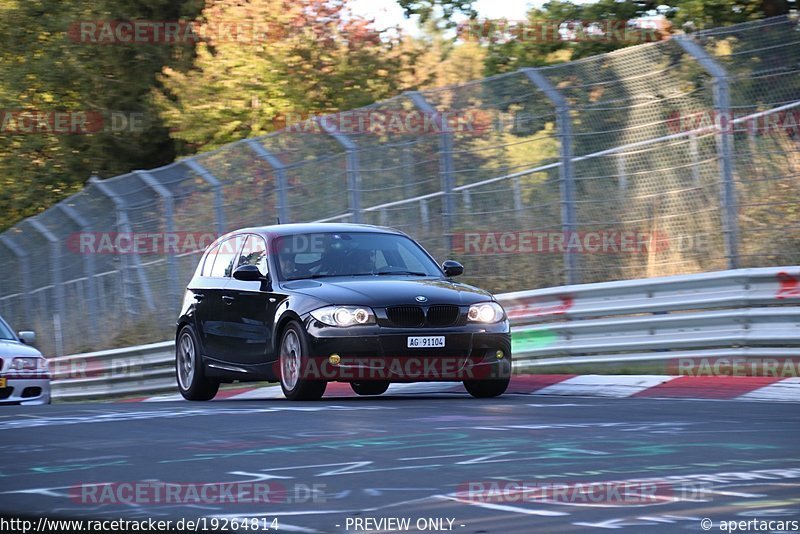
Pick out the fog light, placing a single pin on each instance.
(499, 354)
(334, 359)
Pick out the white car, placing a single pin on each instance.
(24, 373)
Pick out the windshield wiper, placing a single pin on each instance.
(312, 276)
(380, 273)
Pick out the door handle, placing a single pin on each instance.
(228, 299)
(199, 296)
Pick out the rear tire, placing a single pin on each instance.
(373, 387)
(189, 372)
(293, 357)
(484, 389)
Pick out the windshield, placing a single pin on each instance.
(5, 331)
(329, 254)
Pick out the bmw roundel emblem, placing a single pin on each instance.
(420, 298)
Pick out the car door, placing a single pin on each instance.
(202, 291)
(250, 307)
(211, 307)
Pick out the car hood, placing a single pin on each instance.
(9, 348)
(389, 292)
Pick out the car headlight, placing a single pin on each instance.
(28, 364)
(344, 315)
(486, 312)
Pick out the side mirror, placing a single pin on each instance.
(248, 273)
(452, 268)
(28, 337)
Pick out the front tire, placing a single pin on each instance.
(293, 356)
(374, 387)
(192, 382)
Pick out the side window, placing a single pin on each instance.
(209, 261)
(223, 264)
(254, 252)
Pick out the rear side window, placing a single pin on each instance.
(208, 263)
(223, 263)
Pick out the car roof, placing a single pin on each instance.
(278, 230)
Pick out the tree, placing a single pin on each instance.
(435, 60)
(544, 39)
(46, 69)
(313, 57)
(442, 9)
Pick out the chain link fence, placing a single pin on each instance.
(679, 156)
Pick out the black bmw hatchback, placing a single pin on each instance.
(307, 304)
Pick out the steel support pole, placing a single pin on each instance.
(168, 203)
(566, 170)
(216, 185)
(23, 271)
(280, 177)
(446, 166)
(123, 223)
(55, 277)
(89, 268)
(353, 168)
(722, 107)
(694, 155)
(407, 161)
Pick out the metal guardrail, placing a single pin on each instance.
(141, 370)
(745, 312)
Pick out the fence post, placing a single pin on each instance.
(88, 265)
(722, 107)
(407, 161)
(55, 278)
(23, 270)
(168, 202)
(566, 170)
(216, 185)
(446, 166)
(124, 225)
(694, 154)
(353, 167)
(622, 178)
(280, 177)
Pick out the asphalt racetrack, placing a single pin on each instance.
(431, 462)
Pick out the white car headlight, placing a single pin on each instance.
(486, 312)
(344, 315)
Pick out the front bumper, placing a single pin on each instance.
(471, 352)
(27, 391)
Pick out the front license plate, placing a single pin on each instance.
(425, 342)
(2, 383)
